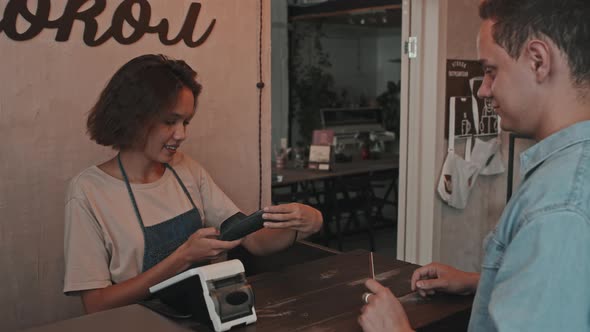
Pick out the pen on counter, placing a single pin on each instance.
(366, 295)
(372, 266)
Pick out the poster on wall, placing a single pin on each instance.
(473, 115)
(133, 14)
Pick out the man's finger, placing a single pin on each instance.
(432, 284)
(424, 272)
(418, 274)
(373, 285)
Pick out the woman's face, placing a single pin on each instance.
(169, 131)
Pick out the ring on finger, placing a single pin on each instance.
(366, 296)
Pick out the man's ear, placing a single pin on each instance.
(538, 55)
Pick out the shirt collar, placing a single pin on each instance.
(538, 153)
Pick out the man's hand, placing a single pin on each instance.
(436, 277)
(383, 312)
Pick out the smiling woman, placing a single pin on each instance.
(151, 212)
(142, 91)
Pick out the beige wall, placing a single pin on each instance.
(46, 90)
(446, 29)
(462, 231)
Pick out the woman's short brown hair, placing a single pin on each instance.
(140, 91)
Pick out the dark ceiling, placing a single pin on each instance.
(369, 13)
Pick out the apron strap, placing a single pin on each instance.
(133, 201)
(130, 192)
(468, 146)
(475, 112)
(451, 147)
(181, 184)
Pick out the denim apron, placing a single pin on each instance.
(164, 238)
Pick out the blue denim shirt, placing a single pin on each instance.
(536, 269)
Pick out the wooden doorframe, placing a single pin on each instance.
(403, 139)
(419, 211)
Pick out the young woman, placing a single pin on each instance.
(151, 212)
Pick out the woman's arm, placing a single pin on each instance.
(201, 246)
(293, 221)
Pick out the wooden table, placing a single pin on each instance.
(325, 295)
(365, 172)
(322, 295)
(292, 176)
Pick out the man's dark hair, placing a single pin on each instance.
(565, 22)
(142, 90)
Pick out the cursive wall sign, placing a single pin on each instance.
(17, 9)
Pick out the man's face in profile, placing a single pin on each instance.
(507, 82)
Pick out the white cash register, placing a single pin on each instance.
(228, 298)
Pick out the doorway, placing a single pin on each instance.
(341, 57)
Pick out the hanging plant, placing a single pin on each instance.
(389, 102)
(311, 85)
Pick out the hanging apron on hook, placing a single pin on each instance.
(488, 154)
(458, 174)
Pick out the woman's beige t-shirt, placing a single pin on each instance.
(103, 239)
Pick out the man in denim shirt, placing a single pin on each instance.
(535, 272)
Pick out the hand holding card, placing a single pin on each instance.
(239, 226)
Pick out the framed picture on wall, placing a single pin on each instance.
(464, 78)
(320, 157)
